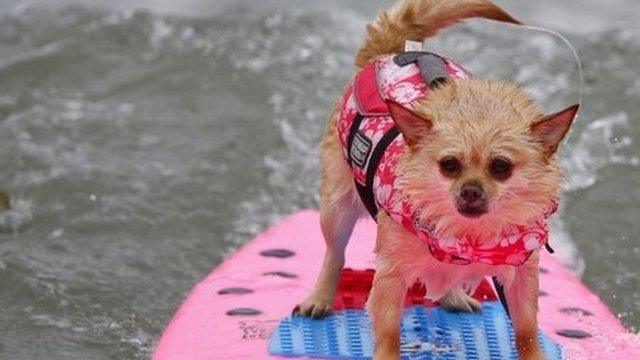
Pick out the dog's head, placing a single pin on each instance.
(481, 156)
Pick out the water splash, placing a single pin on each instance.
(17, 218)
(144, 146)
(597, 146)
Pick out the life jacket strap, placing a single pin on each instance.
(365, 191)
(353, 130)
(432, 66)
(549, 248)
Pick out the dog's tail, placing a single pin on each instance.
(417, 20)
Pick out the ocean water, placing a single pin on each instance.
(144, 141)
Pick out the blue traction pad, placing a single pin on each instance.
(427, 333)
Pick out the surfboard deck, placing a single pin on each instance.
(239, 310)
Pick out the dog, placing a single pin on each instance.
(461, 189)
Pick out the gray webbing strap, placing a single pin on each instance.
(433, 70)
(432, 67)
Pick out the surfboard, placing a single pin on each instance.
(242, 310)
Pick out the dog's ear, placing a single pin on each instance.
(412, 126)
(551, 129)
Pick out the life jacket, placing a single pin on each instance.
(372, 146)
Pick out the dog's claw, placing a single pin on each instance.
(315, 309)
(320, 311)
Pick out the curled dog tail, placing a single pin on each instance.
(417, 20)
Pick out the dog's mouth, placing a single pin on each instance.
(472, 210)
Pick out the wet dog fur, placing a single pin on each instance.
(473, 132)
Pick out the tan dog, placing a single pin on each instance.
(470, 131)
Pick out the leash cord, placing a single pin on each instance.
(574, 53)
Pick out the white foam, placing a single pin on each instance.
(596, 147)
(20, 215)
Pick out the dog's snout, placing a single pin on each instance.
(472, 192)
(472, 199)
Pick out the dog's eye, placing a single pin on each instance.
(450, 166)
(501, 168)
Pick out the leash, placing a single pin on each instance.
(576, 56)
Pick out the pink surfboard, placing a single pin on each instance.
(234, 312)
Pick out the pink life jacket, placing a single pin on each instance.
(372, 146)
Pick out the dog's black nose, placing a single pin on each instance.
(472, 200)
(471, 192)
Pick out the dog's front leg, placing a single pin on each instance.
(522, 299)
(385, 306)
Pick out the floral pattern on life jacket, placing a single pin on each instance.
(404, 85)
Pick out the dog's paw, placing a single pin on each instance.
(387, 356)
(314, 308)
(534, 356)
(534, 353)
(459, 301)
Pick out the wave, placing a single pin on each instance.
(206, 129)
